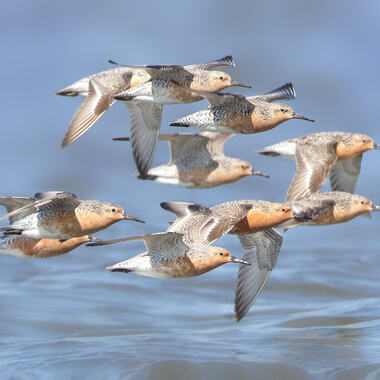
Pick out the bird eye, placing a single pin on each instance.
(221, 78)
(113, 209)
(282, 110)
(284, 209)
(362, 202)
(364, 141)
(221, 253)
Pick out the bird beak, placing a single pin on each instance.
(375, 146)
(131, 217)
(239, 261)
(256, 172)
(236, 83)
(94, 239)
(297, 116)
(375, 208)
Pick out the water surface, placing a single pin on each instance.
(66, 317)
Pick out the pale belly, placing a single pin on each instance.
(12, 252)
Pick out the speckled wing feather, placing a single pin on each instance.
(224, 62)
(224, 219)
(344, 174)
(51, 194)
(145, 118)
(285, 92)
(192, 220)
(63, 201)
(182, 209)
(203, 225)
(307, 209)
(261, 250)
(15, 203)
(314, 162)
(99, 99)
(226, 99)
(162, 72)
(170, 243)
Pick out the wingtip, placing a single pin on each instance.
(238, 315)
(67, 140)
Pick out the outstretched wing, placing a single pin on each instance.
(261, 250)
(314, 162)
(64, 201)
(187, 148)
(99, 99)
(170, 243)
(216, 142)
(224, 62)
(203, 225)
(145, 118)
(344, 174)
(226, 99)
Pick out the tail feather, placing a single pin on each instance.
(148, 176)
(267, 152)
(123, 270)
(121, 139)
(66, 92)
(11, 231)
(179, 124)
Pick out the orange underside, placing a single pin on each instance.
(257, 221)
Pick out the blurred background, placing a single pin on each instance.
(318, 315)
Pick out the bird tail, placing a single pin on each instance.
(148, 176)
(11, 231)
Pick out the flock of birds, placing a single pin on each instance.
(53, 223)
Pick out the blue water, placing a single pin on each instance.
(66, 317)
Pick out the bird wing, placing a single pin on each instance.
(170, 243)
(226, 99)
(314, 162)
(145, 118)
(51, 194)
(14, 203)
(307, 209)
(203, 225)
(261, 250)
(285, 92)
(99, 99)
(216, 142)
(225, 62)
(191, 219)
(344, 174)
(187, 148)
(182, 209)
(65, 201)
